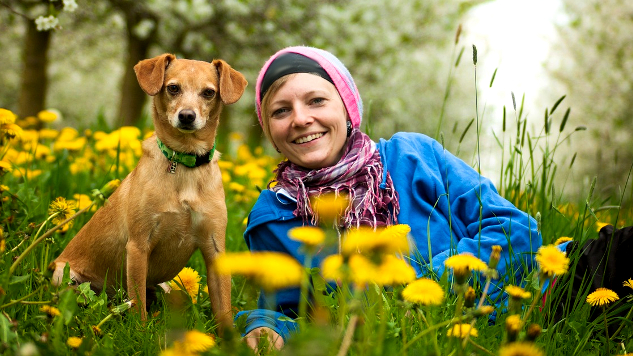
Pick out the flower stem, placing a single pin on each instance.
(349, 334)
(606, 329)
(16, 301)
(303, 299)
(41, 238)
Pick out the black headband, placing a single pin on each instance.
(289, 63)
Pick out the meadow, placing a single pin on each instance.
(52, 181)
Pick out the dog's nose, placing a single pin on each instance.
(186, 116)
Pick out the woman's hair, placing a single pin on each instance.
(265, 113)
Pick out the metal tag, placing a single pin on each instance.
(172, 167)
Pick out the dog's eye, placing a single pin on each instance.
(173, 89)
(208, 93)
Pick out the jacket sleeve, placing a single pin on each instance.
(458, 211)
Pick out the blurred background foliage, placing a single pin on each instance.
(412, 70)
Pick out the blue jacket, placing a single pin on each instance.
(439, 197)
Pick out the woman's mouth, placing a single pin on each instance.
(309, 138)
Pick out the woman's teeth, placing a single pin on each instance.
(308, 138)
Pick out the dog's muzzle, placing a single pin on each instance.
(186, 119)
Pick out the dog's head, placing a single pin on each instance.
(187, 93)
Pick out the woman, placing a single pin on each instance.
(310, 110)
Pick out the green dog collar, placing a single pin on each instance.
(189, 160)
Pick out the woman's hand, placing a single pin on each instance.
(256, 336)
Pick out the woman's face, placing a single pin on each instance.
(308, 121)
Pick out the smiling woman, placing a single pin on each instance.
(310, 109)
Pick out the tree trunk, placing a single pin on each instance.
(34, 82)
(132, 97)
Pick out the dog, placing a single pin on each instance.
(164, 210)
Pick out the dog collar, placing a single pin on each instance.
(188, 159)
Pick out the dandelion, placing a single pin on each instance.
(393, 271)
(552, 261)
(47, 116)
(61, 210)
(513, 326)
(517, 292)
(562, 240)
(383, 241)
(533, 331)
(600, 225)
(270, 270)
(628, 283)
(5, 167)
(328, 207)
(51, 311)
(463, 264)
(6, 117)
(96, 330)
(495, 256)
(193, 342)
(520, 348)
(74, 342)
(309, 235)
(462, 331)
(469, 297)
(424, 291)
(189, 279)
(331, 267)
(602, 296)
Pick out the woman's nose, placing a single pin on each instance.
(302, 116)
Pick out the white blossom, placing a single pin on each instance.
(70, 5)
(46, 23)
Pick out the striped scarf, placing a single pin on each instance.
(358, 174)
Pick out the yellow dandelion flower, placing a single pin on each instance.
(495, 256)
(3, 244)
(96, 330)
(602, 296)
(309, 235)
(600, 225)
(521, 348)
(513, 324)
(331, 267)
(47, 116)
(270, 270)
(236, 187)
(12, 130)
(562, 239)
(464, 263)
(189, 279)
(74, 342)
(62, 210)
(517, 292)
(462, 330)
(424, 291)
(628, 283)
(361, 270)
(6, 117)
(329, 207)
(367, 240)
(83, 201)
(51, 311)
(393, 271)
(196, 341)
(5, 166)
(551, 260)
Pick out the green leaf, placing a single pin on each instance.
(5, 329)
(18, 279)
(68, 305)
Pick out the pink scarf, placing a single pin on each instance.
(358, 174)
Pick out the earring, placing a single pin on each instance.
(349, 128)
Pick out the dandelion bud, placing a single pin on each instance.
(123, 307)
(513, 326)
(474, 55)
(484, 310)
(495, 256)
(469, 298)
(100, 195)
(538, 221)
(533, 331)
(96, 330)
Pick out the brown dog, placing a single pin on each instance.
(164, 210)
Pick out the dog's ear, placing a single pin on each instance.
(150, 73)
(232, 82)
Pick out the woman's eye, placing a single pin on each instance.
(173, 89)
(318, 101)
(279, 112)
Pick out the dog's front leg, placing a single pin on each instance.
(219, 285)
(136, 270)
